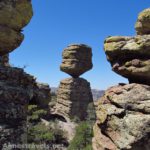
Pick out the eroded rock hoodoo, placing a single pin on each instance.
(123, 113)
(74, 94)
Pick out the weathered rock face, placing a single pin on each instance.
(14, 15)
(142, 25)
(123, 118)
(123, 113)
(17, 89)
(77, 59)
(73, 97)
(130, 57)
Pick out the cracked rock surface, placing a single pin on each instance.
(123, 118)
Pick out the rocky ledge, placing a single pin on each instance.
(130, 57)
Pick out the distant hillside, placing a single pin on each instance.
(96, 93)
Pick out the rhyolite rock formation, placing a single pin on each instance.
(123, 118)
(130, 56)
(14, 15)
(123, 113)
(17, 88)
(77, 59)
(14, 98)
(74, 94)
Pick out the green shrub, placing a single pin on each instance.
(83, 137)
(35, 113)
(39, 133)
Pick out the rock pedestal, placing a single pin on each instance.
(74, 94)
(73, 97)
(123, 113)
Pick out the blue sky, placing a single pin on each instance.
(58, 23)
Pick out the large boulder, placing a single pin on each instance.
(130, 57)
(14, 15)
(123, 118)
(77, 59)
(73, 97)
(142, 25)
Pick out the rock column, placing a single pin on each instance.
(14, 15)
(123, 113)
(74, 94)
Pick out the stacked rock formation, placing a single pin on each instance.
(123, 113)
(14, 83)
(74, 94)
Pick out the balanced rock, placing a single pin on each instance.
(123, 118)
(14, 15)
(77, 59)
(142, 25)
(130, 57)
(73, 98)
